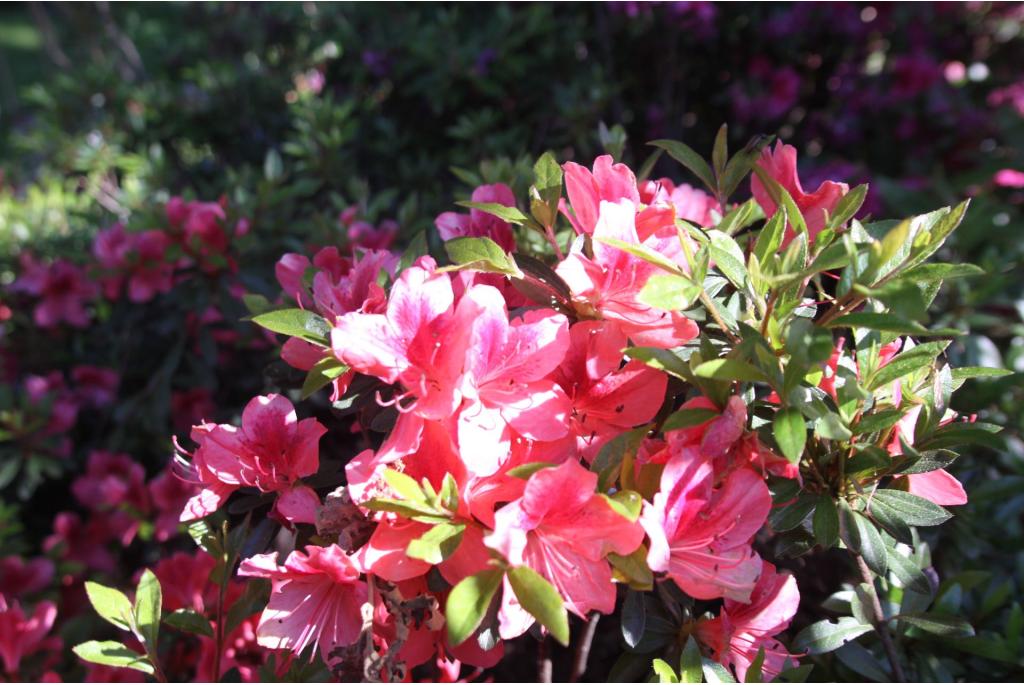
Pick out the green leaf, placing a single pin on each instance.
(965, 372)
(741, 163)
(890, 324)
(547, 178)
(541, 600)
(720, 150)
(663, 360)
(189, 621)
(905, 363)
(669, 292)
(418, 247)
(526, 470)
(148, 600)
(792, 515)
(664, 671)
(770, 238)
(687, 418)
(862, 662)
(729, 258)
(634, 617)
(826, 636)
(730, 370)
(112, 605)
(831, 427)
(754, 670)
(644, 253)
(790, 433)
(503, 212)
(924, 273)
(908, 573)
(298, 323)
(783, 199)
(690, 670)
(437, 544)
(826, 521)
(688, 157)
(848, 206)
(322, 373)
(715, 672)
(871, 546)
(110, 653)
(877, 422)
(911, 509)
(946, 626)
(404, 485)
(626, 503)
(481, 254)
(468, 603)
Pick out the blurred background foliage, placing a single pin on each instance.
(291, 113)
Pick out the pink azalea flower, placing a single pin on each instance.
(315, 600)
(726, 442)
(20, 577)
(691, 204)
(271, 451)
(290, 271)
(419, 342)
(506, 388)
(114, 483)
(939, 486)
(185, 581)
(84, 543)
(111, 247)
(700, 534)
(586, 190)
(780, 165)
(605, 400)
(62, 288)
(366, 236)
(94, 385)
(607, 286)
(742, 629)
(63, 404)
(1009, 178)
(97, 673)
(169, 495)
(479, 224)
(150, 273)
(21, 636)
(563, 529)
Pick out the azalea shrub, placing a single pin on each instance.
(616, 395)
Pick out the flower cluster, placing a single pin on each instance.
(507, 390)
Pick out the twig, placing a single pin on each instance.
(50, 42)
(713, 311)
(544, 660)
(579, 662)
(880, 623)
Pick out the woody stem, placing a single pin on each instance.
(880, 622)
(713, 311)
(579, 662)
(544, 660)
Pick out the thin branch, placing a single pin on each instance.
(713, 311)
(880, 622)
(544, 660)
(50, 42)
(582, 655)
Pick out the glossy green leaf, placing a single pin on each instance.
(110, 653)
(148, 600)
(298, 323)
(189, 621)
(790, 433)
(468, 603)
(112, 605)
(540, 598)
